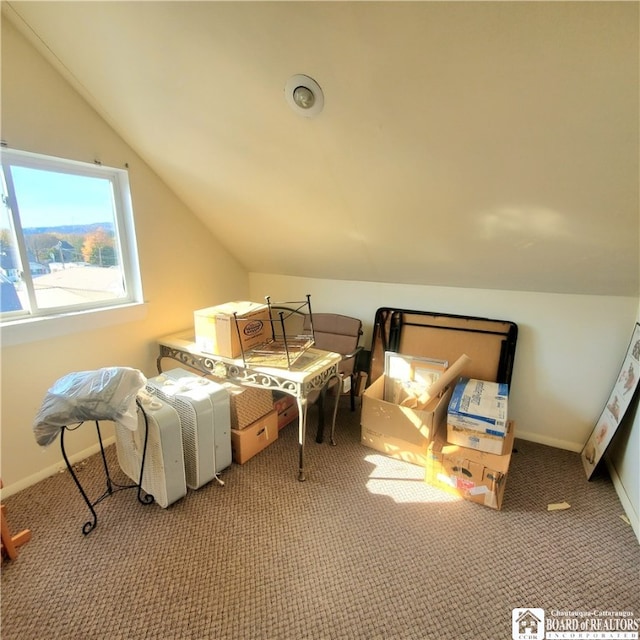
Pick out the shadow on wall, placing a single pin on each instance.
(538, 393)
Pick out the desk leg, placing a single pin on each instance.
(302, 428)
(338, 387)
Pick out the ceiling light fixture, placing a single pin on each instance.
(304, 95)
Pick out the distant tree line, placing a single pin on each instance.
(95, 247)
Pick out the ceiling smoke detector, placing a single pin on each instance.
(304, 95)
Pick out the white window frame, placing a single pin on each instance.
(38, 324)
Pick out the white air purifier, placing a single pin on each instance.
(205, 417)
(164, 475)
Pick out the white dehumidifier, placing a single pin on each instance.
(164, 475)
(205, 417)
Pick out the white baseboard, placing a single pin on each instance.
(624, 498)
(551, 442)
(29, 481)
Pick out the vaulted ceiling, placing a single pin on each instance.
(470, 144)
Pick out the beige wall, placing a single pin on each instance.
(183, 266)
(569, 346)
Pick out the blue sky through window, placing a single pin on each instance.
(51, 199)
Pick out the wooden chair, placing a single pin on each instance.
(11, 543)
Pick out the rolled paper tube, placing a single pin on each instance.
(445, 379)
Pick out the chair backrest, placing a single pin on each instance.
(337, 333)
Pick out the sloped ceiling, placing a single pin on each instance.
(480, 144)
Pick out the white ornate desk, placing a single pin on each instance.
(311, 372)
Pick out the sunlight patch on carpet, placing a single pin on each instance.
(402, 481)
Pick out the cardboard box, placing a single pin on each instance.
(246, 443)
(476, 476)
(217, 333)
(480, 405)
(397, 431)
(247, 404)
(473, 439)
(287, 409)
(287, 416)
(282, 402)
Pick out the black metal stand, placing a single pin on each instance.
(112, 487)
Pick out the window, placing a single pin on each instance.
(67, 240)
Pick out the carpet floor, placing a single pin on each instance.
(363, 549)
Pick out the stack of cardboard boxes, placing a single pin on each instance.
(254, 421)
(462, 437)
(257, 415)
(470, 458)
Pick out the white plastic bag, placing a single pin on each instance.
(104, 394)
